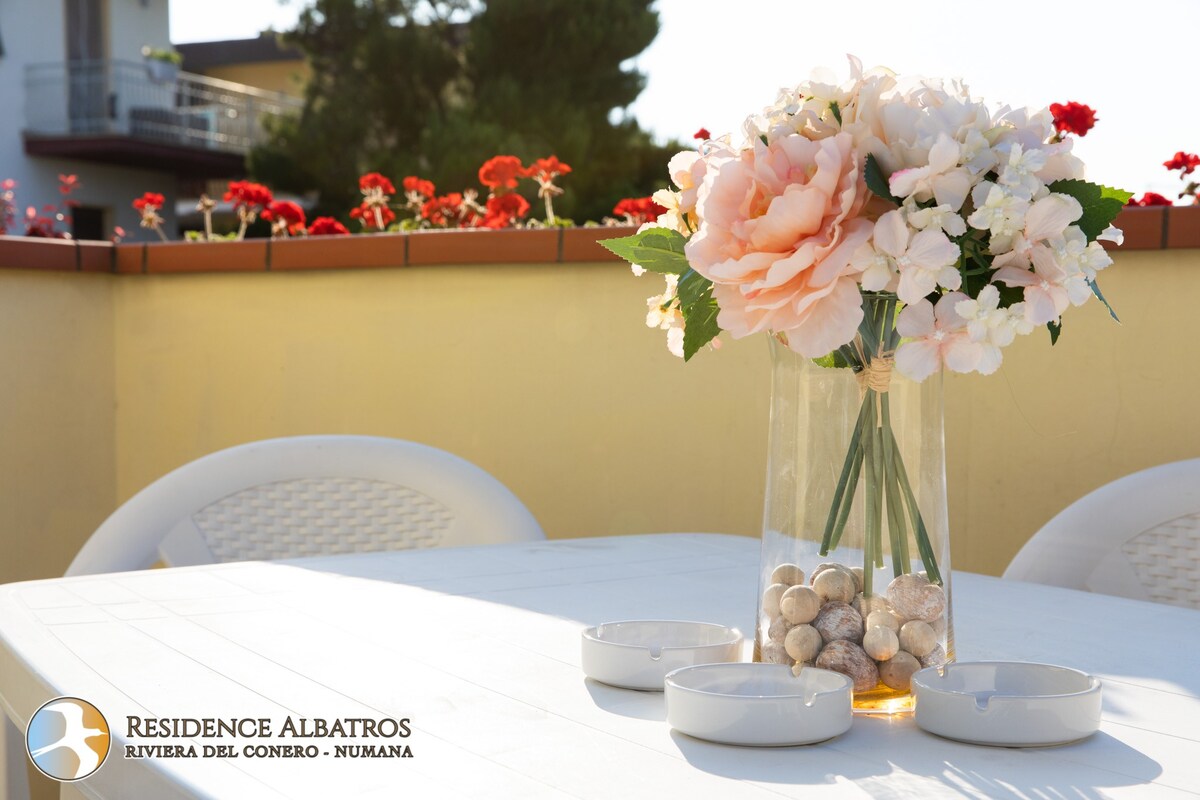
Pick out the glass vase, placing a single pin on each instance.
(855, 568)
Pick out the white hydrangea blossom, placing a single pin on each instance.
(663, 312)
(992, 327)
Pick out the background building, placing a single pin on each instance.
(82, 99)
(263, 62)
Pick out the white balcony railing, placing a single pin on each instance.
(134, 99)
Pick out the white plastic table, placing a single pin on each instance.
(479, 648)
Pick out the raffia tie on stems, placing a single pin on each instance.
(874, 456)
(876, 375)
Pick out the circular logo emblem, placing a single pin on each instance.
(67, 739)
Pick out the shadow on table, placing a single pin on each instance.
(627, 703)
(901, 768)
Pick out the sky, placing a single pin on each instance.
(714, 63)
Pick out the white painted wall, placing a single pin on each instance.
(133, 24)
(34, 31)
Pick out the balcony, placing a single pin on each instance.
(127, 113)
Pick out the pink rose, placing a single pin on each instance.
(780, 225)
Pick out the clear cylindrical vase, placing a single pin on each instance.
(855, 569)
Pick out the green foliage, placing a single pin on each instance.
(377, 76)
(655, 249)
(877, 182)
(1095, 287)
(165, 55)
(413, 87)
(1055, 329)
(834, 360)
(661, 250)
(1101, 204)
(699, 318)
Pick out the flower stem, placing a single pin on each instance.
(852, 464)
(896, 527)
(921, 534)
(874, 454)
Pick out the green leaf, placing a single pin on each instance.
(1100, 295)
(1009, 295)
(1055, 329)
(1101, 204)
(699, 311)
(877, 182)
(691, 288)
(834, 360)
(655, 249)
(837, 111)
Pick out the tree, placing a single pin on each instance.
(380, 70)
(407, 87)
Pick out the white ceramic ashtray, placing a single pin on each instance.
(1007, 703)
(759, 705)
(637, 654)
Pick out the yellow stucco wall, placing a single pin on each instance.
(1056, 423)
(288, 77)
(57, 422)
(544, 376)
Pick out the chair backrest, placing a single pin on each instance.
(1137, 537)
(307, 495)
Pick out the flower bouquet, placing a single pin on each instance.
(875, 226)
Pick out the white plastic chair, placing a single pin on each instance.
(307, 495)
(1137, 537)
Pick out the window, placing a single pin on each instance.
(87, 222)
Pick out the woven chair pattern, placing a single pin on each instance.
(1166, 560)
(320, 516)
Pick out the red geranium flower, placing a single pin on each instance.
(1149, 199)
(287, 212)
(702, 134)
(1073, 118)
(377, 217)
(248, 195)
(444, 210)
(545, 169)
(373, 180)
(327, 226)
(639, 210)
(501, 172)
(148, 199)
(1183, 161)
(419, 186)
(68, 183)
(504, 209)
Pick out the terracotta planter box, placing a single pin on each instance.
(1143, 228)
(363, 251)
(1154, 228)
(483, 247)
(22, 252)
(175, 257)
(1183, 227)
